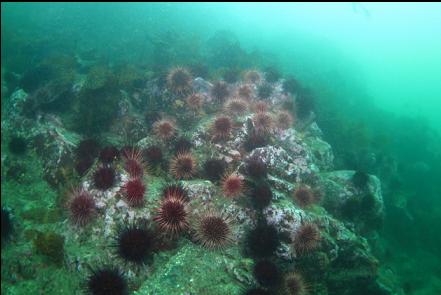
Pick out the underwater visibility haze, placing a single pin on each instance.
(221, 148)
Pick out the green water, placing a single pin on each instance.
(374, 70)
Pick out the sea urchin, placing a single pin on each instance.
(172, 215)
(133, 191)
(81, 206)
(183, 165)
(213, 230)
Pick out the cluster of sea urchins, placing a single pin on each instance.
(212, 229)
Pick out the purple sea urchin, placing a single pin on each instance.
(135, 244)
(104, 178)
(307, 238)
(179, 80)
(106, 281)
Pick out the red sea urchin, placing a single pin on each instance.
(195, 101)
(284, 120)
(183, 165)
(213, 230)
(133, 191)
(252, 76)
(236, 106)
(233, 185)
(82, 207)
(134, 163)
(164, 129)
(307, 238)
(172, 215)
(222, 127)
(175, 191)
(245, 92)
(263, 123)
(104, 178)
(179, 80)
(260, 107)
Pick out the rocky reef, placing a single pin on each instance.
(250, 178)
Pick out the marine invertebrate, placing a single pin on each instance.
(175, 191)
(135, 244)
(213, 230)
(82, 206)
(50, 244)
(88, 148)
(307, 238)
(236, 106)
(233, 185)
(194, 101)
(262, 240)
(304, 196)
(104, 178)
(245, 92)
(263, 123)
(293, 284)
(7, 225)
(106, 281)
(255, 140)
(261, 195)
(183, 165)
(153, 154)
(133, 191)
(109, 154)
(264, 90)
(83, 165)
(220, 91)
(214, 169)
(133, 162)
(222, 127)
(164, 129)
(252, 76)
(360, 179)
(179, 80)
(267, 273)
(261, 106)
(183, 145)
(172, 215)
(255, 167)
(17, 145)
(284, 120)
